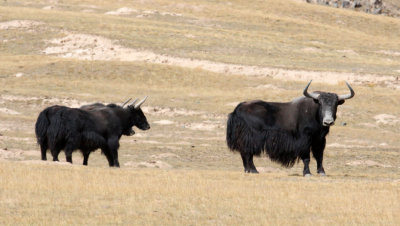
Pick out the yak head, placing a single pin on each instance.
(328, 103)
(136, 117)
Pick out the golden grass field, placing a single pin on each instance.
(196, 60)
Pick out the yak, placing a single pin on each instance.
(286, 132)
(88, 128)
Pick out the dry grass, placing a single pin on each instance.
(201, 181)
(65, 195)
(268, 33)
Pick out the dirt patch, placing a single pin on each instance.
(19, 24)
(164, 155)
(11, 154)
(268, 170)
(149, 164)
(122, 11)
(366, 163)
(386, 119)
(311, 50)
(90, 47)
(201, 126)
(9, 111)
(140, 13)
(170, 112)
(164, 122)
(389, 52)
(347, 51)
(269, 87)
(49, 7)
(337, 145)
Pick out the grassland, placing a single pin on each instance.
(93, 196)
(180, 172)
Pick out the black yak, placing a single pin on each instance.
(87, 128)
(286, 132)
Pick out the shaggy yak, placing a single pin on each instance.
(88, 128)
(286, 132)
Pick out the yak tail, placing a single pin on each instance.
(50, 129)
(240, 137)
(41, 126)
(280, 146)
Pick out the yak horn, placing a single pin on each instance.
(133, 102)
(310, 95)
(347, 96)
(140, 103)
(126, 102)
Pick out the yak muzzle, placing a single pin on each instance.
(328, 122)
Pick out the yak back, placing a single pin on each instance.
(111, 119)
(69, 124)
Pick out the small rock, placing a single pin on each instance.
(377, 11)
(344, 124)
(19, 74)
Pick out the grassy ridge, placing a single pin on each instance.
(265, 33)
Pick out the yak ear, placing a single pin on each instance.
(340, 102)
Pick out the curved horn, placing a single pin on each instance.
(126, 102)
(133, 102)
(310, 95)
(140, 103)
(347, 96)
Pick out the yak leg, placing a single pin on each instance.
(306, 161)
(113, 145)
(68, 155)
(68, 151)
(318, 153)
(43, 149)
(54, 153)
(251, 165)
(248, 163)
(71, 145)
(85, 157)
(108, 155)
(245, 162)
(55, 156)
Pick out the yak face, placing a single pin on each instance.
(136, 117)
(328, 103)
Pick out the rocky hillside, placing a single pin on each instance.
(389, 8)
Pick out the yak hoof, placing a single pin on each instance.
(250, 171)
(322, 174)
(307, 175)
